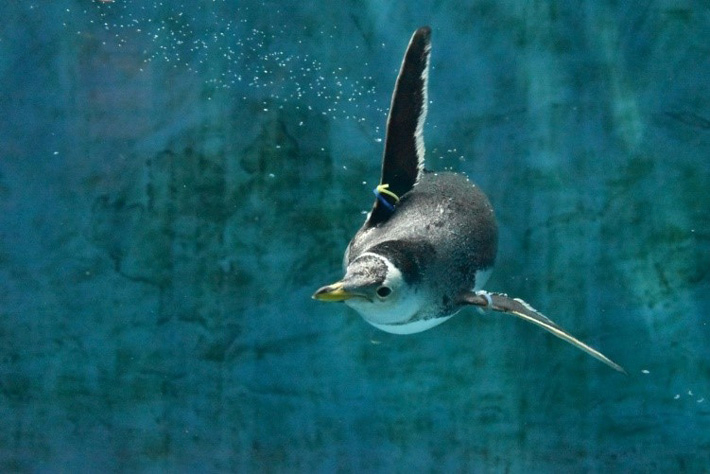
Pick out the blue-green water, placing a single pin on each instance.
(177, 178)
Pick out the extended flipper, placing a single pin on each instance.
(505, 304)
(403, 158)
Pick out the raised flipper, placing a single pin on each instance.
(403, 158)
(505, 304)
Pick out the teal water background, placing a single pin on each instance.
(177, 178)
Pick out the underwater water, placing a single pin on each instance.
(178, 178)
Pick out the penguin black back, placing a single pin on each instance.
(450, 223)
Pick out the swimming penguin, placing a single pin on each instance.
(429, 243)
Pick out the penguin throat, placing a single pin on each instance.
(402, 316)
(378, 312)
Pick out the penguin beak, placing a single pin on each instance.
(334, 292)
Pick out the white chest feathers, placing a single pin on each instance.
(395, 306)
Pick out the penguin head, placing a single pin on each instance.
(374, 287)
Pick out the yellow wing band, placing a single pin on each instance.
(384, 189)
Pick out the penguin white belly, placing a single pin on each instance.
(421, 325)
(411, 327)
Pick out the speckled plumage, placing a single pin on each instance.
(442, 233)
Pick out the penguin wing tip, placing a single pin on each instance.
(423, 32)
(515, 306)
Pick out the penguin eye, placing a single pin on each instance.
(384, 291)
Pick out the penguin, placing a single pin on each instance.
(429, 243)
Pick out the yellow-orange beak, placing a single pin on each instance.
(334, 292)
